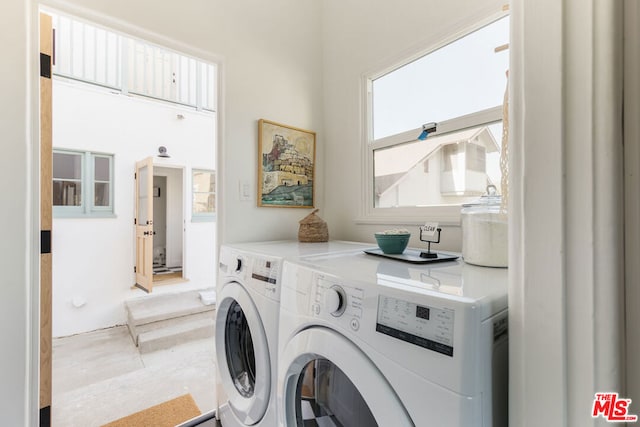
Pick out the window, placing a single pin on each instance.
(204, 195)
(460, 85)
(102, 57)
(82, 184)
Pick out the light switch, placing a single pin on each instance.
(244, 190)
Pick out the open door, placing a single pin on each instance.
(144, 224)
(46, 218)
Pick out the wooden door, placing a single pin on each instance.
(144, 224)
(46, 200)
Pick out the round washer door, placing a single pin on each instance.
(324, 375)
(242, 353)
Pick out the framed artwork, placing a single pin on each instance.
(286, 166)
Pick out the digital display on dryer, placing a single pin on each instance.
(428, 327)
(422, 312)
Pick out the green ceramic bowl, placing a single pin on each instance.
(392, 243)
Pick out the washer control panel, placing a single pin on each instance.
(426, 326)
(332, 299)
(233, 264)
(266, 271)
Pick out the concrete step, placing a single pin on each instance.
(179, 332)
(152, 308)
(137, 331)
(161, 321)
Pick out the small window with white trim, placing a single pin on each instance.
(82, 184)
(204, 195)
(435, 126)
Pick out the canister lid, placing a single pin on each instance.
(491, 199)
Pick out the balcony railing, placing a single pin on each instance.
(98, 56)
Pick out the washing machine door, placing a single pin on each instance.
(325, 377)
(243, 354)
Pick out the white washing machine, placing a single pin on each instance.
(368, 341)
(248, 309)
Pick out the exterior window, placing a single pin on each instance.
(82, 184)
(460, 86)
(204, 195)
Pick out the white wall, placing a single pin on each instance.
(566, 301)
(159, 214)
(175, 221)
(632, 193)
(362, 37)
(93, 258)
(17, 242)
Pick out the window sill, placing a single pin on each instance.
(60, 215)
(444, 215)
(386, 220)
(210, 218)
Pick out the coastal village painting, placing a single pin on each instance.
(286, 167)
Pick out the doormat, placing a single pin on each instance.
(167, 414)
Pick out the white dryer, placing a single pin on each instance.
(248, 309)
(367, 341)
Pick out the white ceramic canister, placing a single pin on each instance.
(485, 232)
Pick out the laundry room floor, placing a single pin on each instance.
(100, 376)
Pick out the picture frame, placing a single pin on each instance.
(286, 166)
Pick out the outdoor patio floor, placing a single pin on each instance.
(100, 376)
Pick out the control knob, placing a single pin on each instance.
(335, 300)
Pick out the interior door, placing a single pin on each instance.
(46, 201)
(144, 224)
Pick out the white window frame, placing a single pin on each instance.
(207, 216)
(443, 214)
(87, 209)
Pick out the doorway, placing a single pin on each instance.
(160, 225)
(94, 256)
(168, 225)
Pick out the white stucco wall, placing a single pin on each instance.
(94, 257)
(362, 37)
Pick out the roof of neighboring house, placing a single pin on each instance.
(393, 164)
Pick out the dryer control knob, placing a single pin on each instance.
(335, 300)
(238, 264)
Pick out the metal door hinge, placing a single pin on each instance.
(45, 65)
(45, 241)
